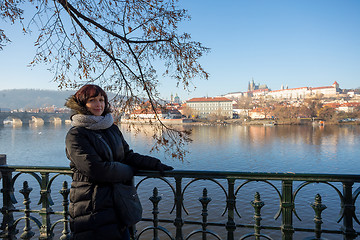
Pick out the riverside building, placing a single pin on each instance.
(300, 93)
(206, 106)
(288, 93)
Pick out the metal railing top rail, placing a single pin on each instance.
(317, 177)
(285, 192)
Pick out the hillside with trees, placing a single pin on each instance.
(32, 98)
(35, 98)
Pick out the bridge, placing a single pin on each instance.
(27, 117)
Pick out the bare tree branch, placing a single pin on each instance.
(82, 42)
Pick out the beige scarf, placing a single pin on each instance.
(92, 122)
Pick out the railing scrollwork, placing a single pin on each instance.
(51, 219)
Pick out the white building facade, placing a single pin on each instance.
(289, 93)
(303, 92)
(204, 107)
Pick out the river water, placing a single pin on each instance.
(329, 149)
(299, 149)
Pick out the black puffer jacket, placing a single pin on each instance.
(91, 206)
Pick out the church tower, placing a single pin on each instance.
(336, 86)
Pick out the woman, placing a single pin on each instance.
(95, 168)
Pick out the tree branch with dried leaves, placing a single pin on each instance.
(117, 44)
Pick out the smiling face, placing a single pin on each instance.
(92, 99)
(96, 105)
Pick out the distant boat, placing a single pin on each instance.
(8, 122)
(319, 123)
(269, 124)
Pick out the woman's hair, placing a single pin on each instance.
(88, 91)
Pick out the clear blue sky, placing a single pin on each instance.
(276, 42)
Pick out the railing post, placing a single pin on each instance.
(287, 206)
(349, 212)
(204, 200)
(257, 204)
(7, 226)
(178, 203)
(318, 208)
(65, 193)
(230, 225)
(45, 200)
(25, 191)
(155, 199)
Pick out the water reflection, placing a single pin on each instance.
(330, 149)
(34, 145)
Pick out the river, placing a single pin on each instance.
(329, 149)
(298, 149)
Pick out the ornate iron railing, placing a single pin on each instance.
(181, 217)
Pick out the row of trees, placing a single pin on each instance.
(290, 112)
(330, 114)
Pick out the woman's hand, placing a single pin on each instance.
(162, 168)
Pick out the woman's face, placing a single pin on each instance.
(96, 105)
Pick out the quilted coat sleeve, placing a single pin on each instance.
(85, 158)
(137, 160)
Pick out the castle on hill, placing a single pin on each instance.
(258, 90)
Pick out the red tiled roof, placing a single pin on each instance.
(351, 104)
(210, 99)
(336, 105)
(146, 111)
(322, 87)
(332, 105)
